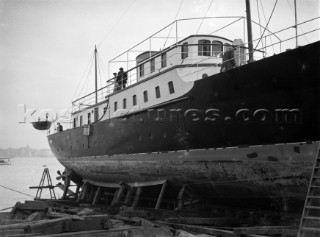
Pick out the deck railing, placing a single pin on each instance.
(264, 50)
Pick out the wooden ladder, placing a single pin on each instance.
(41, 186)
(310, 220)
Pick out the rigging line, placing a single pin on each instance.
(267, 23)
(103, 69)
(87, 78)
(100, 78)
(259, 20)
(117, 22)
(203, 18)
(175, 18)
(226, 26)
(7, 208)
(75, 92)
(300, 27)
(98, 67)
(16, 191)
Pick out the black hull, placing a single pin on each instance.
(288, 81)
(274, 100)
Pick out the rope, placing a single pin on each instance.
(6, 208)
(16, 191)
(81, 78)
(87, 79)
(204, 16)
(259, 20)
(175, 18)
(117, 22)
(225, 26)
(274, 7)
(264, 16)
(104, 72)
(89, 65)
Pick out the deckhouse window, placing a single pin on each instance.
(204, 48)
(141, 70)
(217, 48)
(74, 122)
(134, 100)
(184, 50)
(157, 89)
(115, 106)
(152, 65)
(164, 60)
(171, 88)
(89, 118)
(124, 103)
(81, 120)
(145, 96)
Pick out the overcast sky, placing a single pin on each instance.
(45, 45)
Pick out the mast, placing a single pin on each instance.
(95, 73)
(249, 26)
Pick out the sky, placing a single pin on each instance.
(46, 45)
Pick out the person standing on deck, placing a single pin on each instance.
(121, 79)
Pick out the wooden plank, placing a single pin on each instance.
(26, 235)
(49, 226)
(17, 225)
(200, 229)
(69, 224)
(225, 221)
(62, 187)
(9, 232)
(267, 230)
(114, 232)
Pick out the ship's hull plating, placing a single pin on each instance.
(274, 100)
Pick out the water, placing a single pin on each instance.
(23, 173)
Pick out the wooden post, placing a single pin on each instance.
(137, 197)
(77, 191)
(97, 196)
(83, 191)
(66, 186)
(115, 197)
(180, 197)
(163, 188)
(128, 197)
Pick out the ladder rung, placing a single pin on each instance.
(315, 218)
(310, 229)
(312, 207)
